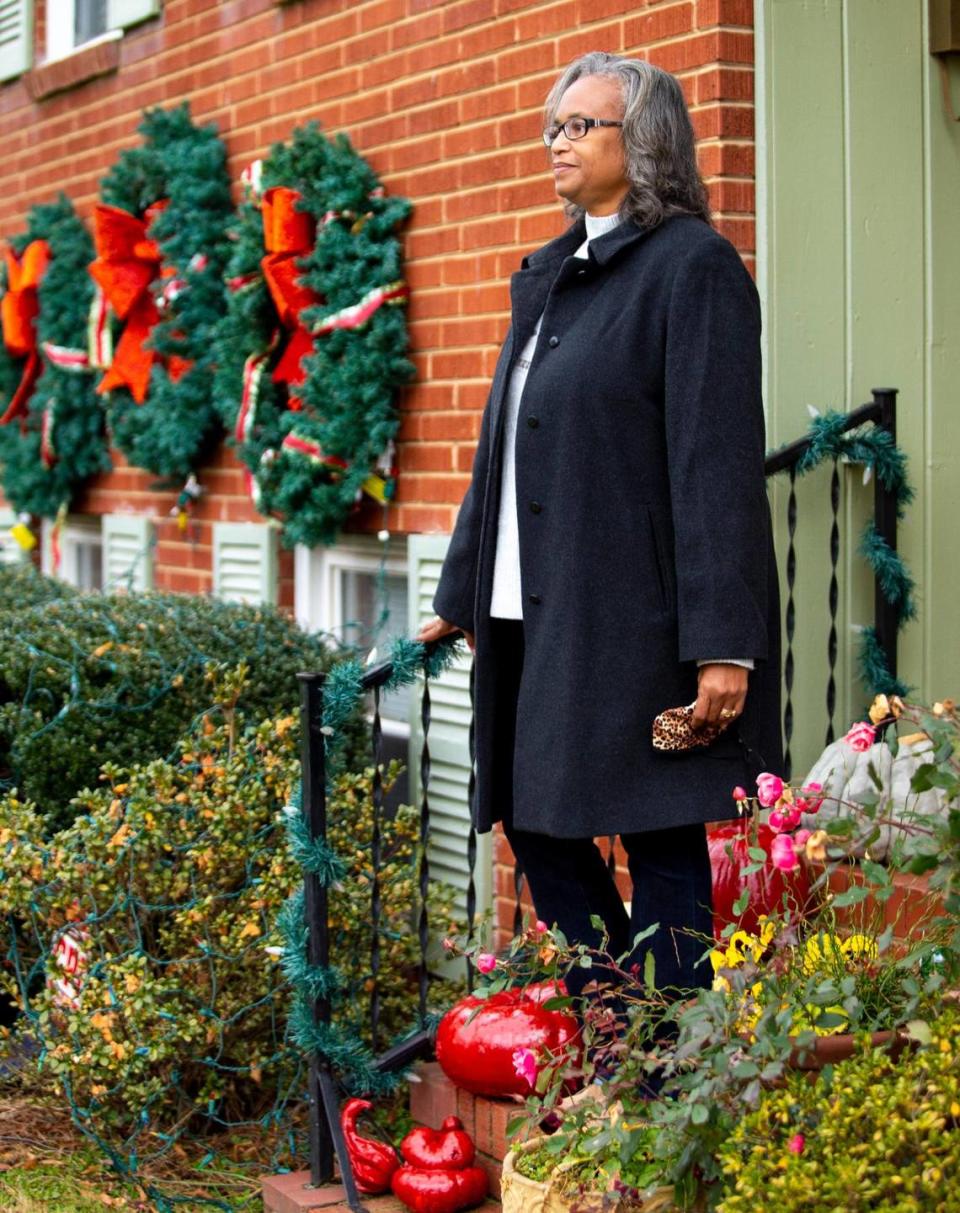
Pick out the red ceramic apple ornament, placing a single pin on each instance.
(478, 1037)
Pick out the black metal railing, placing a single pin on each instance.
(325, 1137)
(882, 412)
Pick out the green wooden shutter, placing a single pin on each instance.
(449, 745)
(127, 552)
(245, 562)
(10, 551)
(121, 13)
(16, 37)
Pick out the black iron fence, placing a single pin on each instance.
(326, 1141)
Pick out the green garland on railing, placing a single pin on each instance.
(59, 440)
(345, 1054)
(873, 448)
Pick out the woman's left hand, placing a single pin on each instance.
(721, 694)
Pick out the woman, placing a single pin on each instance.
(612, 556)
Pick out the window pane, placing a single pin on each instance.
(374, 613)
(89, 20)
(89, 566)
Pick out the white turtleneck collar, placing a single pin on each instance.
(599, 225)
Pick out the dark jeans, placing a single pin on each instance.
(569, 879)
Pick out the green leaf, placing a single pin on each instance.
(515, 1125)
(875, 872)
(851, 897)
(644, 934)
(649, 971)
(699, 1114)
(919, 1030)
(757, 853)
(742, 902)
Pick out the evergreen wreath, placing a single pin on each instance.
(52, 435)
(163, 268)
(312, 348)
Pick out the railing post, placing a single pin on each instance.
(325, 1134)
(885, 520)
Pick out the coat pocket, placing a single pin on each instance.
(660, 562)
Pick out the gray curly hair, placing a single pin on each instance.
(660, 151)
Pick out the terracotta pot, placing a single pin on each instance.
(827, 1050)
(521, 1195)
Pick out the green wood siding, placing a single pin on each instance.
(858, 260)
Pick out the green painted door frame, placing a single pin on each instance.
(858, 264)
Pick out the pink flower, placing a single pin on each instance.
(541, 927)
(739, 793)
(782, 853)
(861, 737)
(448, 944)
(812, 798)
(525, 1065)
(796, 1143)
(769, 789)
(486, 962)
(800, 839)
(785, 817)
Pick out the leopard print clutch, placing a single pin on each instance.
(673, 731)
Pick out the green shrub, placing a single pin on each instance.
(170, 879)
(22, 586)
(90, 679)
(875, 1134)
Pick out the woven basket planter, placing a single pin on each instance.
(518, 1194)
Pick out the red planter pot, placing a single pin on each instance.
(728, 846)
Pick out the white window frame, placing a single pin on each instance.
(76, 530)
(120, 15)
(318, 589)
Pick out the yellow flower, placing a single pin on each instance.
(860, 945)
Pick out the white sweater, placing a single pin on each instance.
(507, 601)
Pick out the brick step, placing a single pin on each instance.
(292, 1193)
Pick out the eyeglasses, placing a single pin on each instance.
(574, 128)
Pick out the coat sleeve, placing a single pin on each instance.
(715, 452)
(456, 591)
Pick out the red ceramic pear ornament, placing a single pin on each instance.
(449, 1146)
(437, 1175)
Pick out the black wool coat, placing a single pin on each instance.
(645, 538)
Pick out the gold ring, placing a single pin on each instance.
(727, 713)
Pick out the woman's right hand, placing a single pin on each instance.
(437, 628)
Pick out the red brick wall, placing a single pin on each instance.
(444, 98)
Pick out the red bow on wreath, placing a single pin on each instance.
(288, 234)
(18, 310)
(127, 263)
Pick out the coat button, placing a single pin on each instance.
(533, 422)
(535, 507)
(554, 342)
(535, 599)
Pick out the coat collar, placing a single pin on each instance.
(601, 250)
